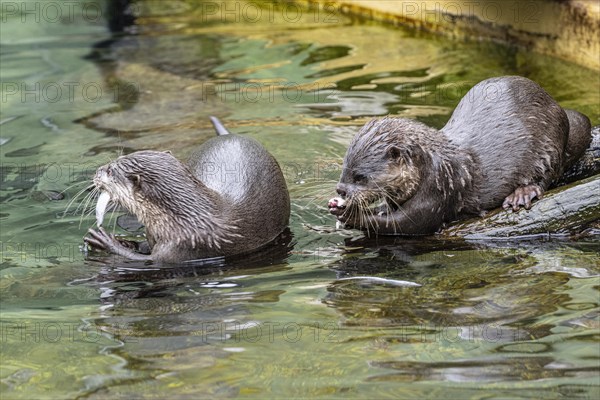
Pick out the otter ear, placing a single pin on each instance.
(395, 153)
(136, 180)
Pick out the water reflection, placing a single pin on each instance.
(462, 283)
(484, 313)
(486, 370)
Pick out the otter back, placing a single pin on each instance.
(518, 132)
(250, 183)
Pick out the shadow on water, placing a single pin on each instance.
(119, 276)
(461, 283)
(494, 295)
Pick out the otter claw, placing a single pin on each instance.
(100, 239)
(93, 242)
(522, 196)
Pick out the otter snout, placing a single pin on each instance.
(101, 176)
(343, 190)
(337, 205)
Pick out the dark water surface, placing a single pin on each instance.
(489, 320)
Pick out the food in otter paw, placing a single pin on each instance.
(103, 200)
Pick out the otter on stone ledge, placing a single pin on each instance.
(505, 143)
(230, 198)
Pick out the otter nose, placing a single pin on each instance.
(341, 190)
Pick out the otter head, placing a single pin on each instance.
(142, 182)
(176, 208)
(380, 167)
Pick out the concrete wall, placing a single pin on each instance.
(568, 29)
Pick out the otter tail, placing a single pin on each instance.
(219, 127)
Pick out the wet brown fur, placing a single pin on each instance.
(230, 198)
(505, 134)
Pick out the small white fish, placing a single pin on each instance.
(101, 205)
(394, 282)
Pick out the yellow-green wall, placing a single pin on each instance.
(569, 29)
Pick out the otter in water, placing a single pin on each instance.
(505, 143)
(230, 198)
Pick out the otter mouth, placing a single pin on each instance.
(101, 207)
(336, 205)
(378, 206)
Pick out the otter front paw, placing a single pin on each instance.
(102, 240)
(522, 196)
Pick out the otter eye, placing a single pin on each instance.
(359, 178)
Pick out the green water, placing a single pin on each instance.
(490, 320)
